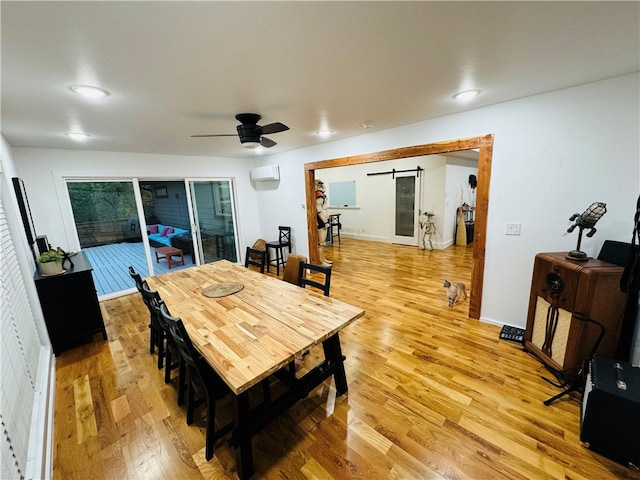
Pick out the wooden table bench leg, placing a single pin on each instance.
(333, 353)
(242, 436)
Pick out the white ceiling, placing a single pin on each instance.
(180, 68)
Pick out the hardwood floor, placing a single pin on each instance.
(432, 395)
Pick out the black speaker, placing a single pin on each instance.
(610, 411)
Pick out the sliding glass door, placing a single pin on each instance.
(214, 220)
(195, 219)
(108, 229)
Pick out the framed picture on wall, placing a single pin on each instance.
(25, 210)
(161, 192)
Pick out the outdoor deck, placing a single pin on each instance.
(111, 265)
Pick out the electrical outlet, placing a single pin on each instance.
(512, 228)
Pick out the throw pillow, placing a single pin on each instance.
(153, 228)
(166, 231)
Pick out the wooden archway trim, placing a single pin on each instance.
(484, 145)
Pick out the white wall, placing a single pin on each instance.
(44, 170)
(443, 180)
(554, 154)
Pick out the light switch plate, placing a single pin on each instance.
(512, 228)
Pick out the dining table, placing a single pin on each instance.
(250, 327)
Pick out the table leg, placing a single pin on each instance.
(242, 435)
(333, 353)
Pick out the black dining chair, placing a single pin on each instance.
(153, 323)
(312, 281)
(278, 246)
(203, 381)
(167, 348)
(255, 257)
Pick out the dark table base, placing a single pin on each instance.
(249, 421)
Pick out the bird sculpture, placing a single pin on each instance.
(585, 220)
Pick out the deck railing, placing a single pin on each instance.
(92, 234)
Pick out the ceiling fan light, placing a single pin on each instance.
(251, 145)
(466, 94)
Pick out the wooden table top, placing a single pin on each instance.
(249, 335)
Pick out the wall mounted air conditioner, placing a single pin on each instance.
(267, 173)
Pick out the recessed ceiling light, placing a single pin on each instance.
(324, 132)
(77, 136)
(466, 94)
(368, 125)
(89, 91)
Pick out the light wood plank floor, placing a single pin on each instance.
(432, 395)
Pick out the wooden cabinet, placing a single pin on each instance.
(566, 297)
(70, 304)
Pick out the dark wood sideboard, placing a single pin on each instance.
(566, 297)
(70, 304)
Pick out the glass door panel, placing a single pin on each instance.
(406, 215)
(213, 220)
(108, 229)
(166, 215)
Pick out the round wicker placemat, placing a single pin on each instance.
(222, 289)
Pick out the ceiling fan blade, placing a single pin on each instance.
(267, 142)
(216, 135)
(276, 127)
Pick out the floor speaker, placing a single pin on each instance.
(570, 304)
(610, 411)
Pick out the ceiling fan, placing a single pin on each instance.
(250, 132)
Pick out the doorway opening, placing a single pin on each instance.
(484, 146)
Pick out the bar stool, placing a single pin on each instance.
(284, 240)
(334, 223)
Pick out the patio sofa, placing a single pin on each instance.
(161, 235)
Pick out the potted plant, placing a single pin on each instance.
(50, 262)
